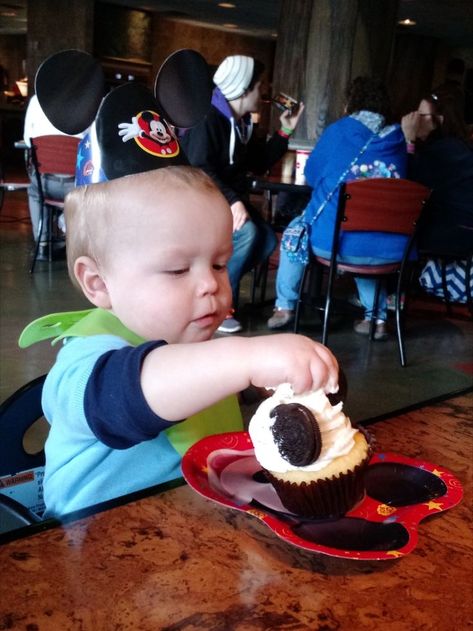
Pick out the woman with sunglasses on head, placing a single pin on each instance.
(441, 157)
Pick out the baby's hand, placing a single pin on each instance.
(294, 359)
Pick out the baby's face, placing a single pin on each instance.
(168, 278)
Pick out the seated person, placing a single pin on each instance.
(361, 144)
(440, 156)
(55, 186)
(225, 147)
(130, 370)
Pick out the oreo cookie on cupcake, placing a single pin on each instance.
(310, 452)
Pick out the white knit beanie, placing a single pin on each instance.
(233, 76)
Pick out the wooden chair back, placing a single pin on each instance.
(381, 205)
(55, 154)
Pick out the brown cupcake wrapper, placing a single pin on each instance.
(325, 498)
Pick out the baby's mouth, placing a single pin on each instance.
(206, 320)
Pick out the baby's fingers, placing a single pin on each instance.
(330, 382)
(320, 372)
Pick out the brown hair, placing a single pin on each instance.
(258, 69)
(91, 212)
(365, 93)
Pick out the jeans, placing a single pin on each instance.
(55, 187)
(252, 244)
(289, 276)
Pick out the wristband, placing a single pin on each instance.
(282, 134)
(411, 148)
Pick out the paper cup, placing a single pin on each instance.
(288, 164)
(301, 159)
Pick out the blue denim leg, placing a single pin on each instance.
(54, 187)
(288, 280)
(366, 289)
(243, 244)
(366, 286)
(252, 244)
(265, 244)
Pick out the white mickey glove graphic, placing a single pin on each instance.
(129, 130)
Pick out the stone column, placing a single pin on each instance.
(55, 25)
(322, 44)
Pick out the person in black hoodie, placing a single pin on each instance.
(224, 146)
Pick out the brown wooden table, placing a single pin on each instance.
(178, 561)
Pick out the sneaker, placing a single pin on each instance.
(230, 325)
(363, 328)
(280, 318)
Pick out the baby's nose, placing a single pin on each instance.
(208, 282)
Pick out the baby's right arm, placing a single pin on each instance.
(179, 380)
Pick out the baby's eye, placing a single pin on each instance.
(177, 272)
(219, 267)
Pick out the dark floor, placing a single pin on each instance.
(439, 348)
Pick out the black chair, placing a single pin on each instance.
(371, 205)
(14, 515)
(51, 155)
(21, 473)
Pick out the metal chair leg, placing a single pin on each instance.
(297, 313)
(400, 340)
(38, 239)
(328, 302)
(446, 294)
(469, 296)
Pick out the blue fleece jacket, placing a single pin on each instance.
(340, 143)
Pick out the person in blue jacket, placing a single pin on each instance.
(362, 144)
(139, 379)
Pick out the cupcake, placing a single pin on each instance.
(310, 452)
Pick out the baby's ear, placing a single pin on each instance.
(91, 281)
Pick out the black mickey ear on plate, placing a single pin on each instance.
(70, 86)
(132, 136)
(183, 88)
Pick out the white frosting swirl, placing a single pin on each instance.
(335, 428)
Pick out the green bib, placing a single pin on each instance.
(224, 416)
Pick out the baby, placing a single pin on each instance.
(151, 250)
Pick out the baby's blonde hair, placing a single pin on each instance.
(92, 211)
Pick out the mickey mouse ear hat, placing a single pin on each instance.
(132, 131)
(70, 86)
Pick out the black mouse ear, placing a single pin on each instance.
(183, 88)
(70, 86)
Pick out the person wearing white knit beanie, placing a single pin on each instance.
(225, 146)
(234, 75)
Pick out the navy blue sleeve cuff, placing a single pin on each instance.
(114, 405)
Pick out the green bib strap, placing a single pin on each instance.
(224, 416)
(76, 324)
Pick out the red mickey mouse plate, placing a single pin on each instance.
(400, 493)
